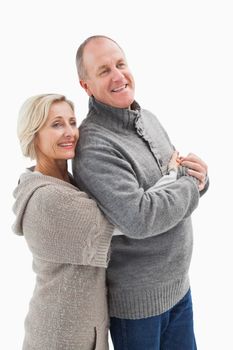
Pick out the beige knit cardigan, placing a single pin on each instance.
(69, 239)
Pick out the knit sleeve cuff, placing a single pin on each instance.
(183, 171)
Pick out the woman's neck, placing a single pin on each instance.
(59, 171)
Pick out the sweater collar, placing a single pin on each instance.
(111, 116)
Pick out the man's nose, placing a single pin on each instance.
(117, 74)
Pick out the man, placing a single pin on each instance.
(122, 152)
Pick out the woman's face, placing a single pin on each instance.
(57, 139)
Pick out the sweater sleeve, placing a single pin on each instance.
(165, 180)
(63, 226)
(110, 179)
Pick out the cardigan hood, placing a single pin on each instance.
(28, 184)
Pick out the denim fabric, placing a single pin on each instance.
(172, 330)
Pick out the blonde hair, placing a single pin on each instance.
(32, 116)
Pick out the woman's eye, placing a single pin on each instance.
(56, 125)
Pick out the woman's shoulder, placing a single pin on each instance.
(48, 189)
(59, 192)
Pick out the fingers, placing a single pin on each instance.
(174, 156)
(173, 163)
(199, 175)
(193, 158)
(196, 167)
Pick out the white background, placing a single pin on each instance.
(180, 53)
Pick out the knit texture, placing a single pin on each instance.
(122, 153)
(69, 239)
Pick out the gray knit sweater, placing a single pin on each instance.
(121, 154)
(69, 239)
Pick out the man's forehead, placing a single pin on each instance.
(101, 46)
(99, 58)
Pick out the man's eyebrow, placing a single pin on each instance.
(104, 66)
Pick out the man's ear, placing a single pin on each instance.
(85, 87)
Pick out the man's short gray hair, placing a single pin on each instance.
(82, 73)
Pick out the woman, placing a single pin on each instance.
(68, 236)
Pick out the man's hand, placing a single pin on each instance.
(174, 161)
(196, 167)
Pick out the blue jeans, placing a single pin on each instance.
(172, 330)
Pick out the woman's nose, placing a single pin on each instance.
(69, 131)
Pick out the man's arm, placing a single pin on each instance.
(109, 178)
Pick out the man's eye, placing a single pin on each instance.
(103, 72)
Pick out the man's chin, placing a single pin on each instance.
(123, 103)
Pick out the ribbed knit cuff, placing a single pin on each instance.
(136, 304)
(183, 171)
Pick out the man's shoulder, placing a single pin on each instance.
(146, 113)
(87, 122)
(152, 122)
(94, 133)
(89, 125)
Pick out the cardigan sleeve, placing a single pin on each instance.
(65, 226)
(111, 180)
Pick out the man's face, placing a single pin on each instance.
(109, 79)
